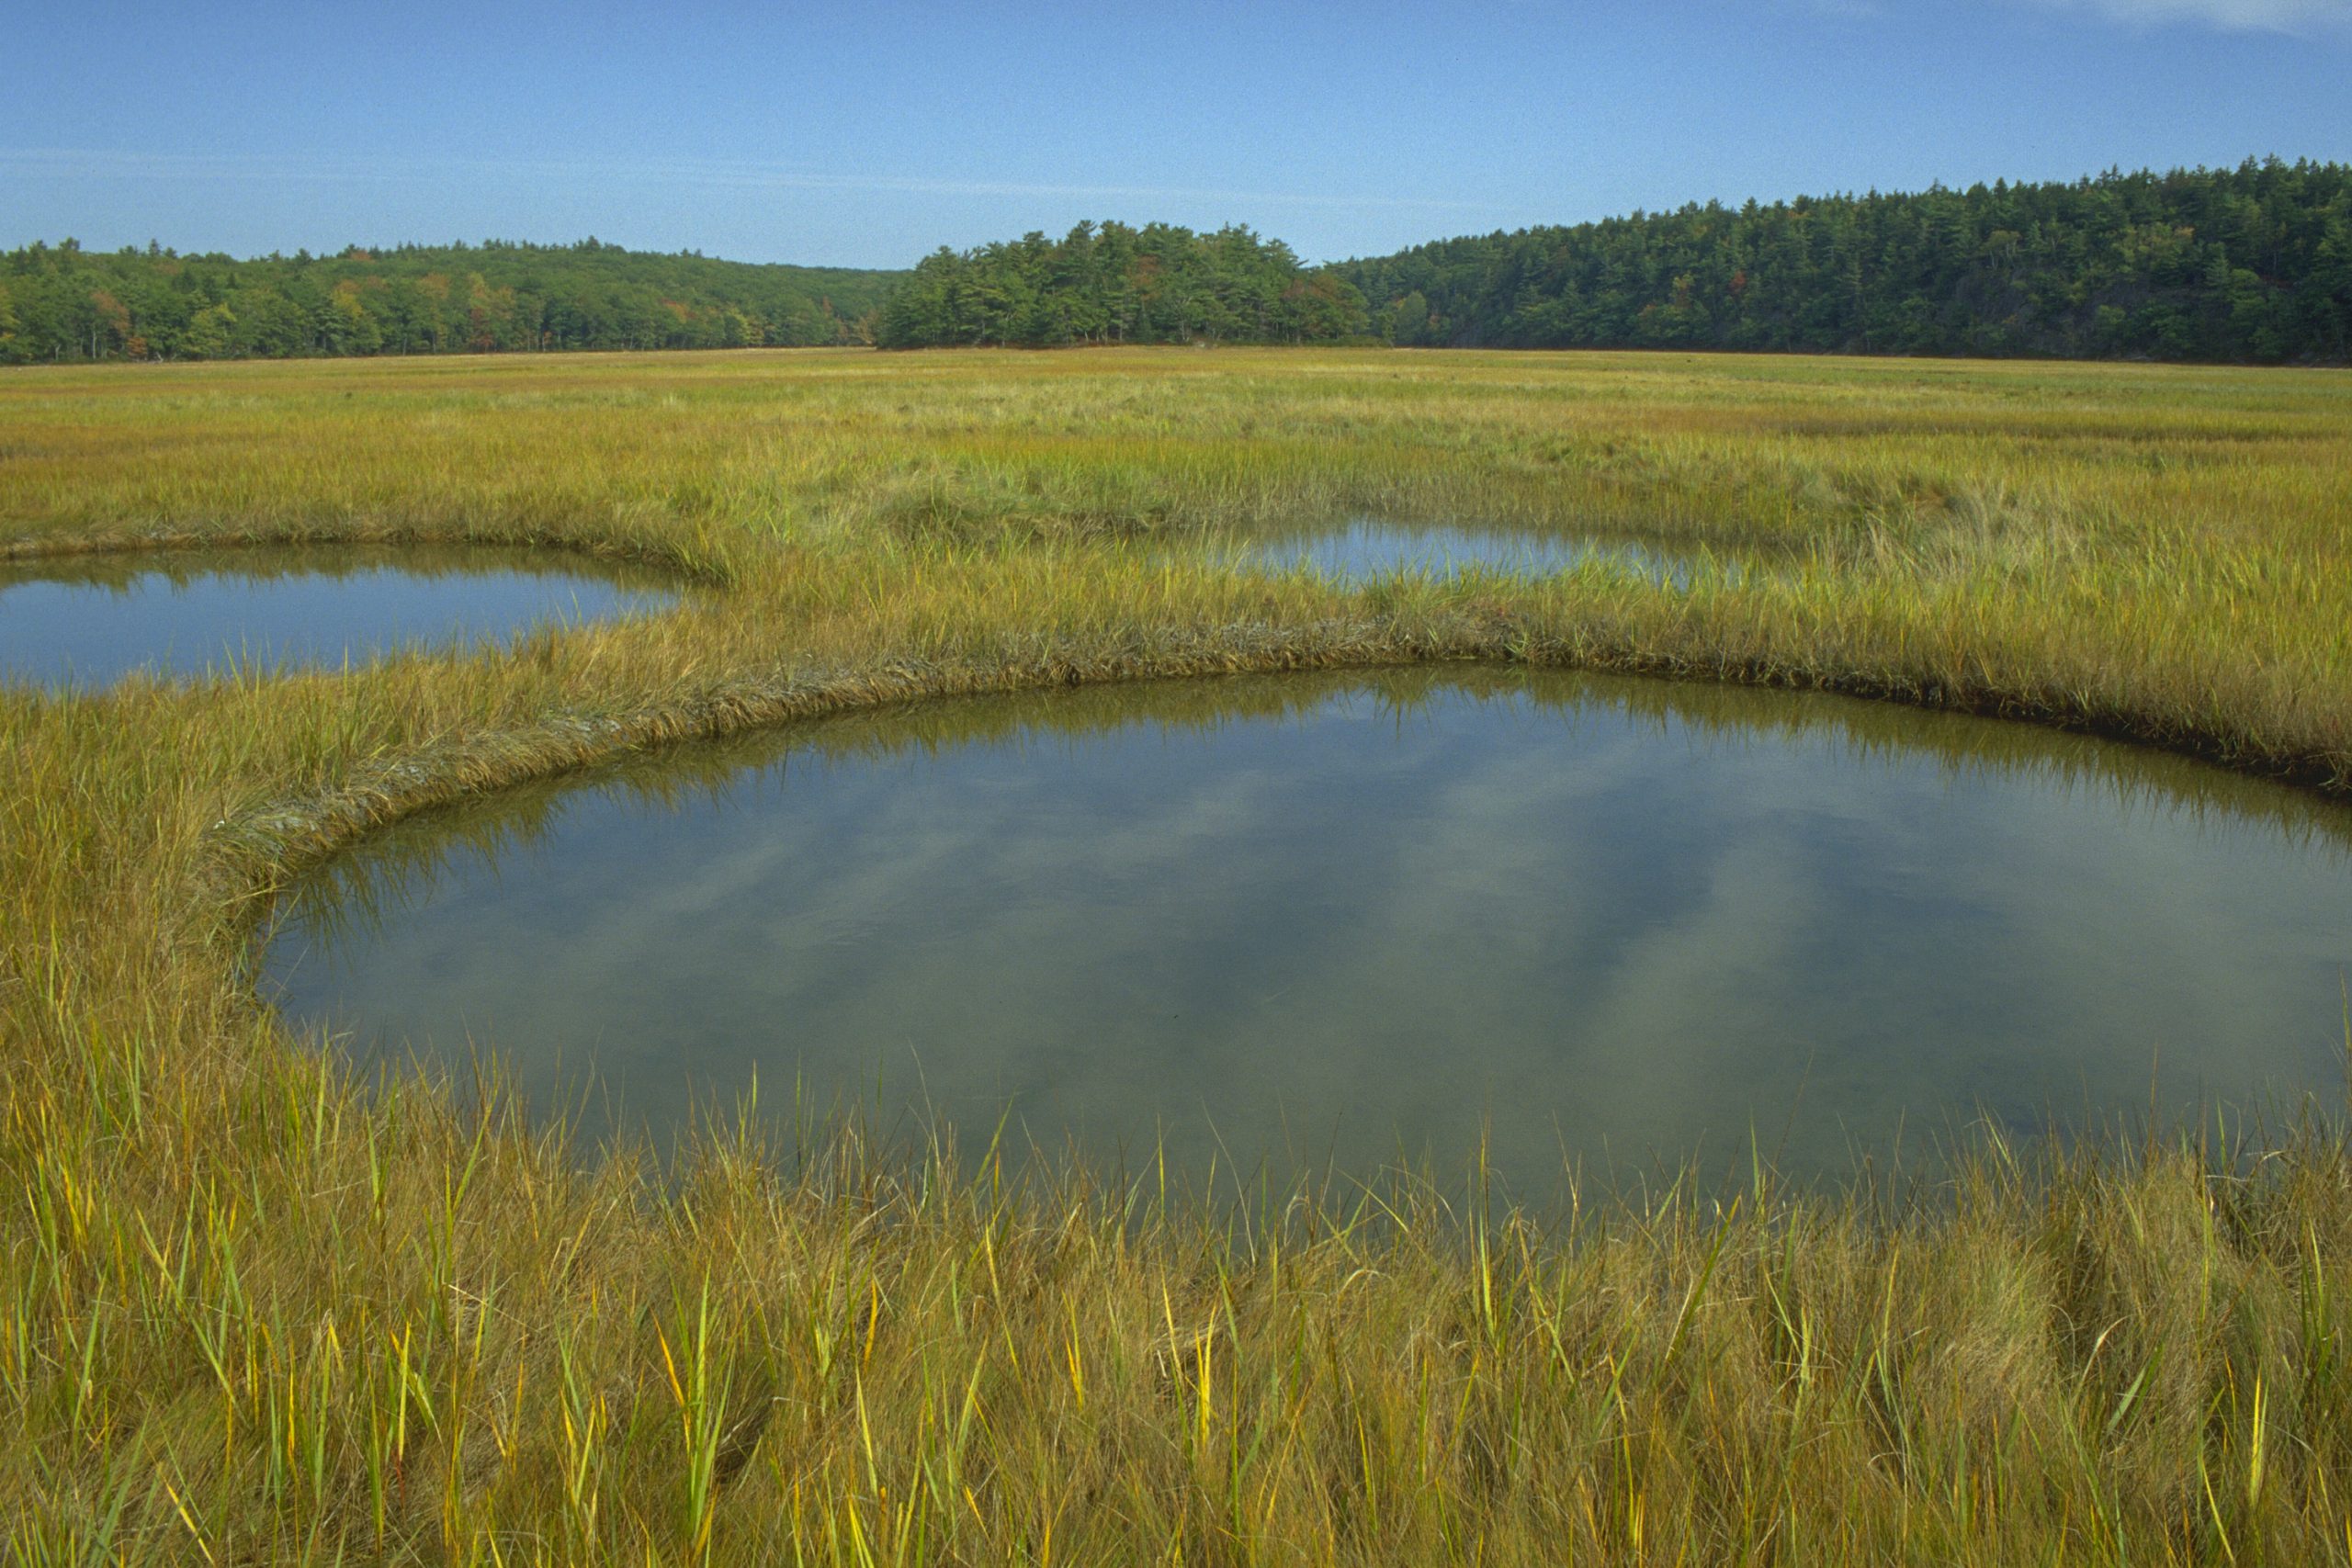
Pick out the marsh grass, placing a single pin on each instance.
(253, 1310)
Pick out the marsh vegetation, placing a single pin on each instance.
(258, 1305)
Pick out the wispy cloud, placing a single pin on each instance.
(2302, 17)
(69, 162)
(1859, 10)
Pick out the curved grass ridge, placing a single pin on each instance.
(254, 1310)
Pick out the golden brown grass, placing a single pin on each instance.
(250, 1310)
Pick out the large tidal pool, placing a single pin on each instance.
(87, 621)
(1331, 919)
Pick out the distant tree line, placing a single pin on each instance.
(2247, 263)
(1110, 282)
(62, 302)
(2250, 264)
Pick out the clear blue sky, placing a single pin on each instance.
(867, 135)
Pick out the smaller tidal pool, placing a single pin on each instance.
(1579, 919)
(87, 621)
(1361, 548)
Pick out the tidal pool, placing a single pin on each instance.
(87, 621)
(1331, 919)
(1366, 548)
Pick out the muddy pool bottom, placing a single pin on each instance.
(1328, 922)
(87, 621)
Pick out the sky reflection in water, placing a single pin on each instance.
(1601, 920)
(1364, 547)
(87, 621)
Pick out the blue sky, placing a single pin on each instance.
(867, 135)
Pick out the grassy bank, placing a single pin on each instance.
(255, 1311)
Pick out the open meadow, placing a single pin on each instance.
(255, 1306)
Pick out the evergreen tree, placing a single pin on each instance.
(66, 303)
(1108, 283)
(2248, 264)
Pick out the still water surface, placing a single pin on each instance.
(1310, 918)
(87, 621)
(1364, 547)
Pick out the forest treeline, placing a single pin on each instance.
(2253, 263)
(62, 302)
(2249, 264)
(1108, 283)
